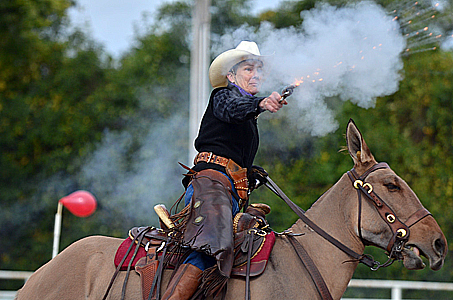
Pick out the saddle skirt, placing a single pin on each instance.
(261, 250)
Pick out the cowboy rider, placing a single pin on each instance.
(227, 143)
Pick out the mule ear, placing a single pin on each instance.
(358, 149)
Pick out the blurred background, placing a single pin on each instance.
(96, 97)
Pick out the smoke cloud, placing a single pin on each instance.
(352, 52)
(136, 180)
(447, 45)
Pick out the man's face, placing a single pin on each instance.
(248, 76)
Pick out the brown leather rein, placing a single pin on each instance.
(400, 230)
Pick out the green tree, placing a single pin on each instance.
(52, 110)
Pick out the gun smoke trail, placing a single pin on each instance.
(135, 184)
(418, 22)
(353, 52)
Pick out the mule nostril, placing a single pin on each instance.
(439, 246)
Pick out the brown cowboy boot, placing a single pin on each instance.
(184, 284)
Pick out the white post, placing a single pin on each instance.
(57, 230)
(199, 65)
(397, 293)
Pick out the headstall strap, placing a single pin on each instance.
(381, 165)
(400, 230)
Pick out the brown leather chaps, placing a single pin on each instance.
(210, 223)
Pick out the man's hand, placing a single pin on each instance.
(272, 102)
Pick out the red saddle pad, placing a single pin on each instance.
(122, 250)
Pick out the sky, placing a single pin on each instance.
(111, 22)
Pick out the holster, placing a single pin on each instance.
(209, 227)
(146, 267)
(239, 177)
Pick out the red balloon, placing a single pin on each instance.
(80, 203)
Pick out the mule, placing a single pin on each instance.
(84, 269)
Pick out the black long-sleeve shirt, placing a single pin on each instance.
(233, 107)
(229, 126)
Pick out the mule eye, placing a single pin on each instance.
(391, 187)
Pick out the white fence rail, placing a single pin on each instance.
(396, 286)
(12, 275)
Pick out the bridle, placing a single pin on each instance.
(400, 230)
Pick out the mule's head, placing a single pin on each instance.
(425, 238)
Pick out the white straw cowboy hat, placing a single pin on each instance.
(226, 60)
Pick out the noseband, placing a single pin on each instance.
(400, 230)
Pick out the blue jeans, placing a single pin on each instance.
(200, 259)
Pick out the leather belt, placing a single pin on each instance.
(209, 157)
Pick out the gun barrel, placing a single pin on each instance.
(287, 91)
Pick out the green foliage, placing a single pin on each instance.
(55, 117)
(288, 13)
(228, 14)
(54, 104)
(27, 30)
(40, 125)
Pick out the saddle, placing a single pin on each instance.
(261, 248)
(152, 238)
(253, 242)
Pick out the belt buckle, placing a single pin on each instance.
(209, 157)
